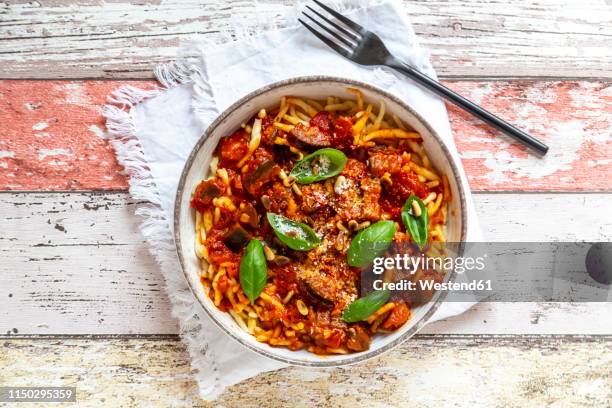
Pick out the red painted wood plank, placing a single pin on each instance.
(46, 137)
(47, 142)
(573, 118)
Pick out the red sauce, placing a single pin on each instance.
(391, 205)
(218, 252)
(233, 148)
(398, 316)
(205, 192)
(342, 137)
(286, 279)
(335, 284)
(323, 121)
(405, 183)
(384, 161)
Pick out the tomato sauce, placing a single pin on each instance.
(321, 278)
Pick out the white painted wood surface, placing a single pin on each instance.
(75, 263)
(428, 371)
(127, 38)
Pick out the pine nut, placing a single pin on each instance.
(269, 253)
(339, 184)
(281, 260)
(416, 208)
(265, 201)
(302, 308)
(386, 179)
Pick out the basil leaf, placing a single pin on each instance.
(320, 165)
(417, 226)
(295, 235)
(370, 243)
(253, 270)
(364, 307)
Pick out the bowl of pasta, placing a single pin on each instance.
(278, 206)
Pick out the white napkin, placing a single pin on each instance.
(153, 133)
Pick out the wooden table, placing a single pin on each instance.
(82, 301)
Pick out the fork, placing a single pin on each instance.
(359, 45)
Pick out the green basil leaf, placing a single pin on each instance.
(370, 243)
(295, 235)
(320, 165)
(417, 226)
(253, 270)
(364, 307)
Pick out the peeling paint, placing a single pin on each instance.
(76, 94)
(602, 162)
(31, 106)
(97, 131)
(502, 166)
(26, 105)
(574, 118)
(40, 126)
(58, 163)
(44, 153)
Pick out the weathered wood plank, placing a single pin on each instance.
(573, 118)
(46, 138)
(76, 263)
(127, 38)
(47, 142)
(426, 371)
(530, 318)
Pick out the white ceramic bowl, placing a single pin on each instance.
(196, 168)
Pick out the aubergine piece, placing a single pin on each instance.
(311, 135)
(318, 287)
(236, 238)
(358, 338)
(205, 192)
(208, 189)
(283, 155)
(264, 173)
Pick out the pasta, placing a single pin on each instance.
(301, 306)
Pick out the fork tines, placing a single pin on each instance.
(347, 37)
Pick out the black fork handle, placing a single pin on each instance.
(469, 106)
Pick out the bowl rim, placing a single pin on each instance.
(178, 208)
